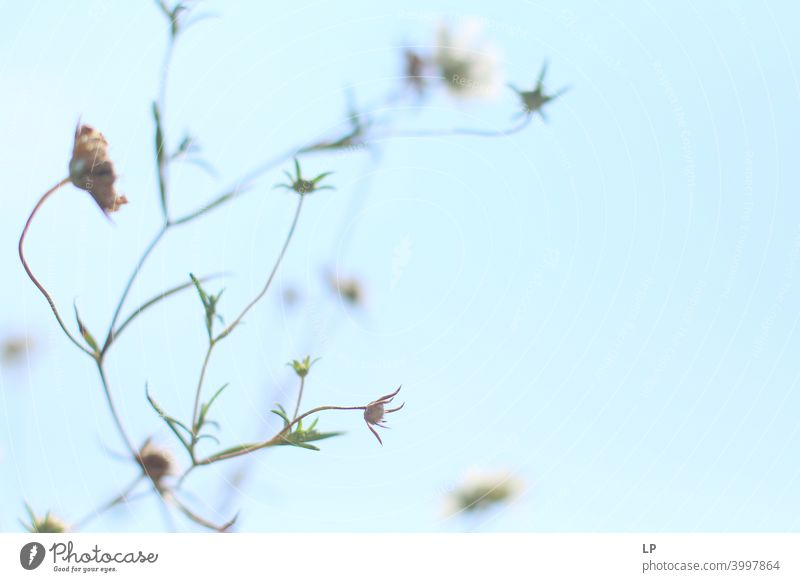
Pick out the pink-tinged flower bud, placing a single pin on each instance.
(375, 411)
(92, 170)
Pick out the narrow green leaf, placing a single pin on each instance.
(282, 413)
(201, 419)
(235, 449)
(87, 336)
(171, 422)
(161, 158)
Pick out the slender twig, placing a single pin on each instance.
(199, 390)
(456, 131)
(240, 450)
(33, 278)
(225, 332)
(299, 396)
(171, 497)
(160, 297)
(120, 304)
(113, 408)
(125, 497)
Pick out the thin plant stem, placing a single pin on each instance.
(169, 496)
(465, 131)
(114, 414)
(225, 332)
(277, 439)
(160, 297)
(199, 390)
(123, 497)
(120, 304)
(299, 396)
(33, 278)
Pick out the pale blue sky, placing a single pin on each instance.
(606, 304)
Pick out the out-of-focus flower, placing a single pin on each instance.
(14, 349)
(375, 412)
(291, 297)
(348, 288)
(92, 170)
(155, 462)
(47, 524)
(478, 491)
(468, 65)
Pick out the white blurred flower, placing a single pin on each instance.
(468, 65)
(480, 490)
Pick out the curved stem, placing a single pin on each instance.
(225, 332)
(33, 277)
(170, 496)
(246, 449)
(113, 408)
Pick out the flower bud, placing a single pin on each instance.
(155, 462)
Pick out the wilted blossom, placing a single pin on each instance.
(481, 490)
(376, 411)
(92, 170)
(156, 463)
(468, 66)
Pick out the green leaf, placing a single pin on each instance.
(201, 419)
(200, 291)
(161, 158)
(87, 337)
(236, 449)
(321, 177)
(282, 413)
(172, 423)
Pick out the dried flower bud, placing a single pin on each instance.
(92, 170)
(375, 411)
(156, 463)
